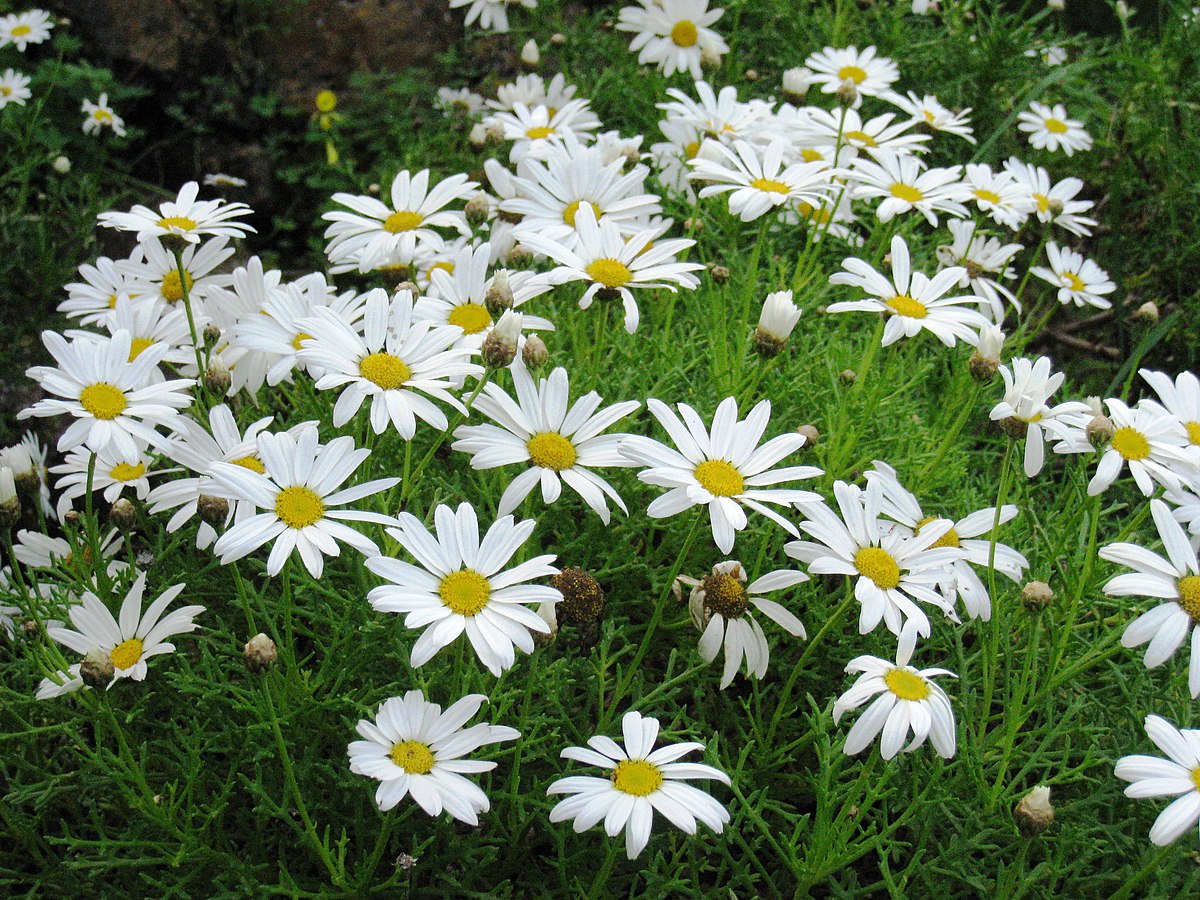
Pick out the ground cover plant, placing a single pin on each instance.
(750, 450)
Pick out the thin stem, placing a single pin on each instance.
(187, 306)
(459, 418)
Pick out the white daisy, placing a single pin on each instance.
(927, 112)
(59, 556)
(985, 263)
(92, 299)
(719, 116)
(536, 130)
(463, 100)
(1050, 56)
(759, 180)
(461, 585)
(673, 34)
(491, 15)
(414, 748)
(776, 322)
(639, 780)
(1025, 411)
(14, 88)
(149, 322)
(1054, 202)
(998, 194)
(1177, 777)
(532, 90)
(871, 75)
(1180, 398)
(817, 128)
(902, 184)
(1152, 444)
(99, 115)
(156, 275)
(1079, 281)
(723, 470)
(24, 28)
(114, 473)
(185, 218)
(1050, 129)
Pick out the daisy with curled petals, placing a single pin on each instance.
(614, 266)
(724, 469)
(112, 400)
(297, 490)
(126, 641)
(492, 15)
(1175, 579)
(413, 747)
(556, 440)
(1025, 412)
(1079, 281)
(985, 264)
(759, 180)
(24, 28)
(461, 585)
(1178, 776)
(1053, 202)
(14, 88)
(184, 218)
(673, 34)
(905, 185)
(100, 115)
(891, 569)
(639, 781)
(1050, 129)
(398, 362)
(1152, 444)
(911, 300)
(720, 607)
(871, 75)
(906, 699)
(1180, 399)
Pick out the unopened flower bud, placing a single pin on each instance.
(1036, 595)
(720, 274)
(122, 514)
(534, 354)
(796, 83)
(259, 653)
(558, 38)
(217, 377)
(751, 75)
(1034, 812)
(10, 504)
(213, 510)
(985, 361)
(530, 55)
(848, 376)
(582, 597)
(495, 133)
(499, 296)
(847, 93)
(97, 669)
(1100, 431)
(411, 287)
(500, 346)
(373, 188)
(61, 164)
(693, 224)
(521, 256)
(476, 210)
(1056, 206)
(1147, 313)
(810, 433)
(478, 137)
(775, 323)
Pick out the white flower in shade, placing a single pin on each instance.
(14, 88)
(100, 115)
(462, 585)
(1079, 281)
(1026, 411)
(533, 90)
(902, 184)
(220, 179)
(759, 180)
(724, 469)
(929, 113)
(891, 569)
(92, 299)
(911, 300)
(196, 449)
(1175, 579)
(492, 15)
(397, 362)
(1054, 202)
(111, 399)
(985, 263)
(1180, 399)
(639, 780)
(24, 28)
(721, 117)
(673, 34)
(185, 218)
(371, 230)
(871, 75)
(128, 640)
(906, 699)
(114, 473)
(1177, 777)
(555, 439)
(298, 493)
(1050, 56)
(40, 551)
(463, 100)
(820, 131)
(720, 606)
(252, 289)
(413, 747)
(156, 276)
(537, 130)
(998, 194)
(1152, 444)
(1050, 129)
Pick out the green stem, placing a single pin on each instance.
(459, 417)
(991, 649)
(187, 306)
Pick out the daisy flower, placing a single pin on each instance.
(639, 780)
(775, 323)
(298, 493)
(998, 194)
(911, 300)
(1050, 56)
(100, 115)
(491, 15)
(815, 128)
(720, 116)
(532, 90)
(111, 399)
(536, 130)
(673, 34)
(464, 101)
(127, 641)
(397, 362)
(759, 180)
(1050, 129)
(24, 28)
(1056, 202)
(155, 274)
(92, 299)
(1025, 411)
(614, 266)
(724, 469)
(871, 75)
(184, 218)
(720, 607)
(414, 748)
(1180, 398)
(558, 441)
(906, 699)
(148, 322)
(220, 179)
(985, 262)
(902, 184)
(461, 585)
(40, 551)
(1079, 281)
(1177, 777)
(1150, 442)
(114, 473)
(14, 88)
(926, 111)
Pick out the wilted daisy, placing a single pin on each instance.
(673, 34)
(1150, 443)
(639, 780)
(905, 185)
(462, 585)
(985, 264)
(297, 490)
(1177, 777)
(906, 699)
(14, 88)
(100, 115)
(413, 747)
(724, 469)
(185, 218)
(1079, 281)
(1054, 202)
(870, 75)
(24, 28)
(720, 606)
(759, 180)
(1050, 129)
(911, 300)
(126, 642)
(111, 399)
(491, 15)
(1025, 411)
(114, 473)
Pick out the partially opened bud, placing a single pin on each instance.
(500, 346)
(847, 93)
(477, 209)
(530, 55)
(10, 504)
(499, 296)
(97, 669)
(985, 361)
(775, 323)
(259, 653)
(796, 83)
(1034, 812)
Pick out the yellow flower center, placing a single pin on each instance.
(126, 472)
(810, 155)
(172, 288)
(250, 462)
(637, 777)
(137, 345)
(854, 73)
(1193, 431)
(465, 592)
(770, 185)
(542, 131)
(907, 193)
(402, 220)
(326, 101)
(906, 685)
(878, 565)
(470, 317)
(987, 196)
(1043, 202)
(551, 450)
(103, 400)
(126, 654)
(861, 137)
(573, 208)
(1130, 443)
(5, 90)
(413, 757)
(1196, 778)
(1072, 281)
(691, 149)
(1057, 126)
(813, 214)
(719, 478)
(21, 31)
(102, 115)
(1189, 595)
(298, 340)
(612, 273)
(726, 595)
(905, 305)
(949, 539)
(299, 507)
(175, 221)
(445, 265)
(685, 33)
(386, 371)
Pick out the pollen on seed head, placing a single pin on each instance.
(949, 539)
(299, 507)
(384, 370)
(725, 595)
(103, 400)
(470, 317)
(582, 597)
(684, 33)
(1130, 443)
(904, 305)
(465, 592)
